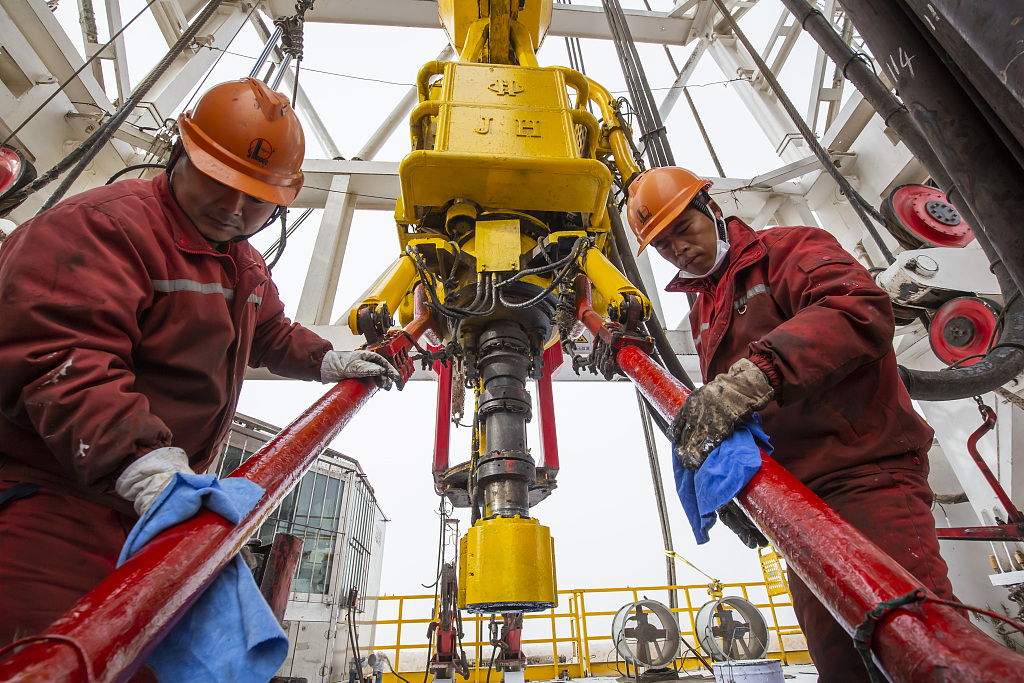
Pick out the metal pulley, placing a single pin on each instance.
(15, 173)
(920, 215)
(964, 329)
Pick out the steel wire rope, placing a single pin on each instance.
(87, 151)
(865, 211)
(72, 77)
(409, 85)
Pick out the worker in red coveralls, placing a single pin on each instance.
(788, 324)
(128, 315)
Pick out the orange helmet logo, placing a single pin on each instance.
(643, 213)
(260, 151)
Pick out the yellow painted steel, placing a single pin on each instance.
(390, 289)
(497, 246)
(618, 139)
(395, 284)
(459, 16)
(504, 137)
(507, 560)
(607, 280)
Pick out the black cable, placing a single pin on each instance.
(129, 169)
(291, 231)
(83, 155)
(490, 665)
(72, 77)
(860, 205)
(282, 240)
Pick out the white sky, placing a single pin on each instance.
(602, 515)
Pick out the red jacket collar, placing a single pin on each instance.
(744, 249)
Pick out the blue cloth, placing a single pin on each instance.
(229, 633)
(725, 472)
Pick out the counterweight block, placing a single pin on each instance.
(507, 564)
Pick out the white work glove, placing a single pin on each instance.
(146, 478)
(339, 365)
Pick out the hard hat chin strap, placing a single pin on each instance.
(701, 203)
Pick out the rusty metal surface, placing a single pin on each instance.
(280, 572)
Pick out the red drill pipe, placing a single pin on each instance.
(113, 628)
(846, 571)
(279, 574)
(443, 424)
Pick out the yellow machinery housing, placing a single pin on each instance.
(507, 565)
(505, 198)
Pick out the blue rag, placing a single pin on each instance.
(725, 472)
(229, 633)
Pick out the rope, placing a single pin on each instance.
(864, 634)
(866, 631)
(865, 211)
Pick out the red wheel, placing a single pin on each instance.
(964, 328)
(12, 165)
(924, 214)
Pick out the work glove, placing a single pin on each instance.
(712, 412)
(145, 479)
(732, 516)
(339, 365)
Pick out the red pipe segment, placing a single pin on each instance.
(848, 573)
(110, 632)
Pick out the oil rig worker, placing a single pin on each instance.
(788, 324)
(129, 315)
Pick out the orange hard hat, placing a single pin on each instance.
(246, 136)
(657, 197)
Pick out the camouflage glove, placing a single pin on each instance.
(712, 412)
(732, 516)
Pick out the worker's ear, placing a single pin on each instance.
(715, 209)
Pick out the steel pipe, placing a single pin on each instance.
(845, 570)
(279, 573)
(984, 171)
(111, 631)
(1001, 364)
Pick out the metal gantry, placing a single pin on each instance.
(36, 55)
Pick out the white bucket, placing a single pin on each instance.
(749, 671)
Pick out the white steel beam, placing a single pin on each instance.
(780, 130)
(672, 96)
(321, 285)
(120, 56)
(574, 21)
(188, 69)
(374, 185)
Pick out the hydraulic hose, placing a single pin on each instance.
(1006, 360)
(1002, 363)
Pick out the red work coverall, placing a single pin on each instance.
(121, 331)
(795, 303)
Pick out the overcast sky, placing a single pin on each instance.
(602, 516)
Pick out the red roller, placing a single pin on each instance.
(963, 330)
(927, 215)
